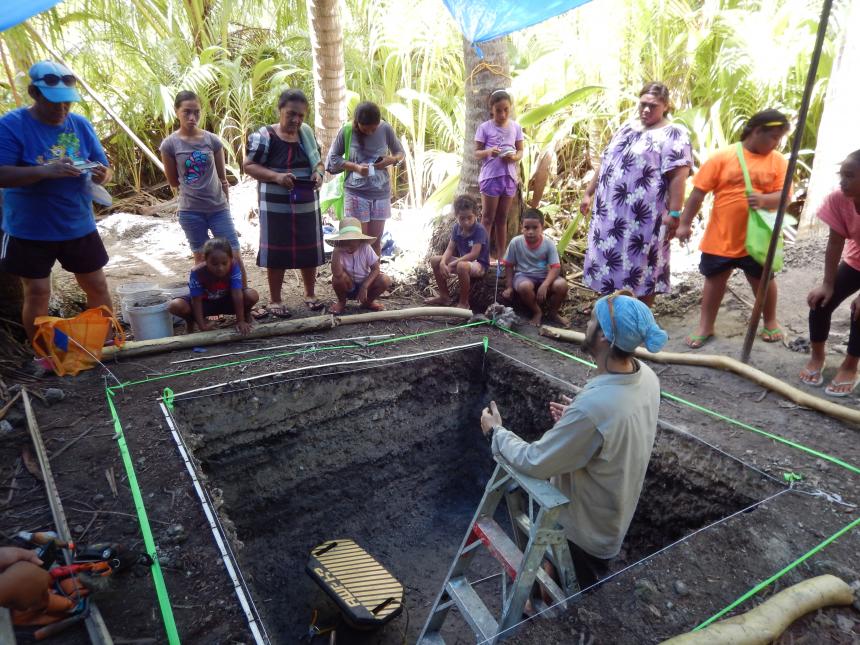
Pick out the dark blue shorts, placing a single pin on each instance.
(711, 265)
(215, 307)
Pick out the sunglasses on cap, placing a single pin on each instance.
(52, 80)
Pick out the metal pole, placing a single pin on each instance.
(786, 187)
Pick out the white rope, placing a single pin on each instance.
(265, 349)
(637, 563)
(333, 364)
(663, 424)
(240, 586)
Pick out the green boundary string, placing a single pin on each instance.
(309, 350)
(161, 589)
(145, 529)
(708, 411)
(749, 594)
(779, 574)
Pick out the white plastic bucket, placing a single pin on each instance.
(176, 290)
(133, 290)
(149, 317)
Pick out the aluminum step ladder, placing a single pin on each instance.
(533, 507)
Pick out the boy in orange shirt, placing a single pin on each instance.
(724, 243)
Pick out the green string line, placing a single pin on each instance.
(145, 529)
(713, 413)
(749, 594)
(309, 350)
(137, 497)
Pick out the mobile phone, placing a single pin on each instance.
(379, 159)
(85, 165)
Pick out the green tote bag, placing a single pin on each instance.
(760, 225)
(331, 194)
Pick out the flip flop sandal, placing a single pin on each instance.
(314, 304)
(830, 392)
(767, 335)
(697, 342)
(259, 313)
(278, 311)
(816, 377)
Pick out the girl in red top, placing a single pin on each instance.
(841, 212)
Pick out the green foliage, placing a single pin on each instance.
(575, 78)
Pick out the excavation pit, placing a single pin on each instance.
(390, 455)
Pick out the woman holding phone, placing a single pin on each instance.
(367, 188)
(285, 159)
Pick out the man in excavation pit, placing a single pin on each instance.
(598, 450)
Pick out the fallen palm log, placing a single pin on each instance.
(765, 623)
(730, 365)
(279, 328)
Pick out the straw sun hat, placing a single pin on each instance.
(350, 229)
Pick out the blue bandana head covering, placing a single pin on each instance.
(627, 323)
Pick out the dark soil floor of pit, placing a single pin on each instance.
(670, 593)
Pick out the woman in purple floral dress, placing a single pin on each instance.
(637, 194)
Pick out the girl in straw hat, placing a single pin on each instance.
(355, 273)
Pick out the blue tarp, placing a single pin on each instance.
(482, 20)
(17, 11)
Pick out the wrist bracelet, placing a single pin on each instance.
(675, 214)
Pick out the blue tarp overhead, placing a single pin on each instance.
(17, 11)
(482, 20)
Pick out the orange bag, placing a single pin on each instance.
(75, 344)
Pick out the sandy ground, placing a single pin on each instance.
(670, 593)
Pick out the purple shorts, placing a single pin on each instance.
(536, 280)
(498, 186)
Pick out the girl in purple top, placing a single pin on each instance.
(499, 145)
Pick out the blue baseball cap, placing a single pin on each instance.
(55, 81)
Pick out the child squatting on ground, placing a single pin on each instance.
(841, 212)
(355, 273)
(216, 288)
(532, 269)
(723, 245)
(467, 255)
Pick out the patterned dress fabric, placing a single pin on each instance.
(627, 246)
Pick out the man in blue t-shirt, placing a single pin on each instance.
(49, 159)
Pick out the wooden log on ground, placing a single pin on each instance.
(769, 620)
(279, 328)
(730, 365)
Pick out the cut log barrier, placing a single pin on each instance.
(769, 620)
(730, 365)
(279, 328)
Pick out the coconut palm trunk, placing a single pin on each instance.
(326, 32)
(482, 77)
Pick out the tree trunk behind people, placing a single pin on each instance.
(840, 108)
(326, 34)
(482, 77)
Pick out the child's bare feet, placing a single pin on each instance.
(463, 305)
(557, 319)
(373, 305)
(337, 308)
(536, 319)
(438, 301)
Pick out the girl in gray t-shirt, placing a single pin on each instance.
(194, 163)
